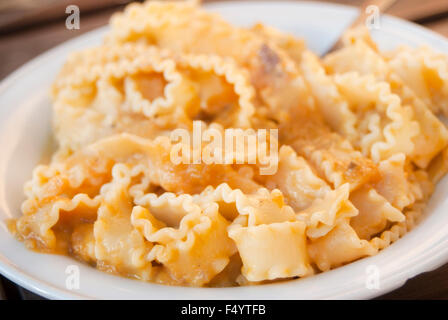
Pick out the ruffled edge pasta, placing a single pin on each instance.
(324, 214)
(397, 135)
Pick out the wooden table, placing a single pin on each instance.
(22, 44)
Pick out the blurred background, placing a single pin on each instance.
(30, 27)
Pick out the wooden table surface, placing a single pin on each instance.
(21, 44)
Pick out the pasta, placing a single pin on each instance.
(425, 72)
(358, 150)
(433, 136)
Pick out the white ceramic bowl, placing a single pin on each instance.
(25, 129)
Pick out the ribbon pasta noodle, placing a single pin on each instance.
(360, 150)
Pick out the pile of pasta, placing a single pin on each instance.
(361, 149)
